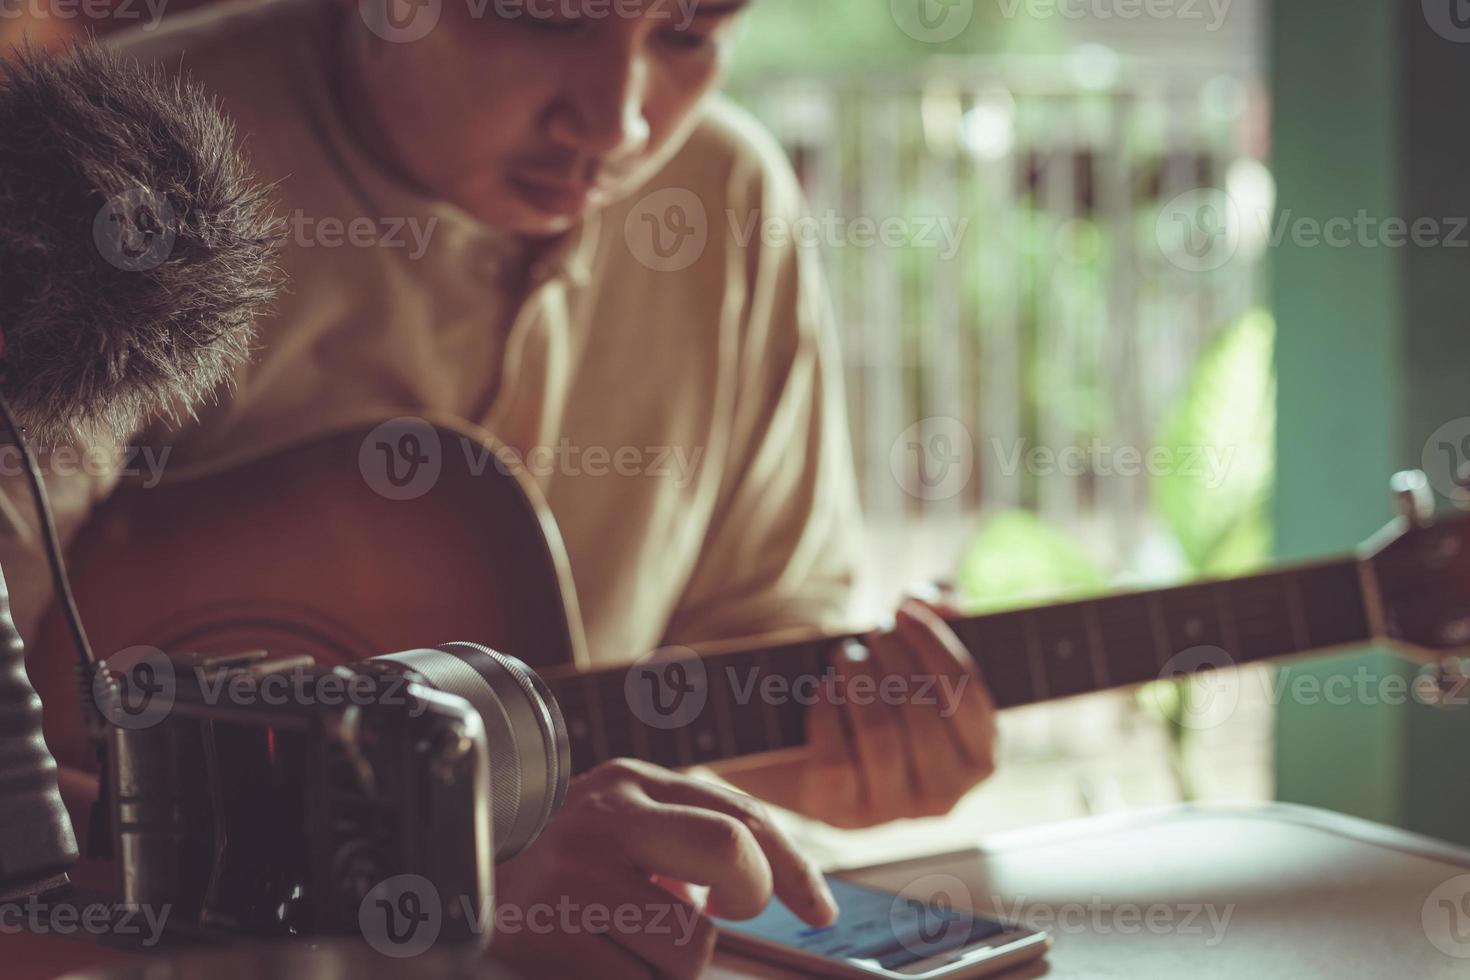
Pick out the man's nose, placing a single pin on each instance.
(604, 105)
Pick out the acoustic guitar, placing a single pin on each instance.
(372, 539)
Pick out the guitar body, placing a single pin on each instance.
(312, 549)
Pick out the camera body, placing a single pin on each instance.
(269, 797)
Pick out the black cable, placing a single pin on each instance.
(52, 544)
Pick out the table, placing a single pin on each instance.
(1253, 892)
(1211, 891)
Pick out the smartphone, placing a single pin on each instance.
(885, 934)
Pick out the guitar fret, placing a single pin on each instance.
(1096, 648)
(1264, 625)
(1297, 611)
(1034, 656)
(1127, 625)
(1229, 635)
(997, 643)
(1192, 618)
(1160, 630)
(1333, 604)
(1063, 635)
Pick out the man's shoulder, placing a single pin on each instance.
(732, 157)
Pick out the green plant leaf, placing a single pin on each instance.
(1017, 557)
(1213, 494)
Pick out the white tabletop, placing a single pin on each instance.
(1200, 892)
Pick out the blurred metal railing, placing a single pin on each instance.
(1031, 298)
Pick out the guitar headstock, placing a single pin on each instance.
(1420, 564)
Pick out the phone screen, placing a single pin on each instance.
(883, 928)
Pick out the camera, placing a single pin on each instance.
(267, 798)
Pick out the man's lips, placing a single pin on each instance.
(557, 197)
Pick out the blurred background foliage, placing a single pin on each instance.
(840, 35)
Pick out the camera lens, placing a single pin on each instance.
(530, 755)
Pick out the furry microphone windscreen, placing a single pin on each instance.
(136, 248)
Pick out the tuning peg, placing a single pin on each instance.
(1413, 495)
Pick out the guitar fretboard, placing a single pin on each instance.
(750, 702)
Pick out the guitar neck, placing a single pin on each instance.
(748, 702)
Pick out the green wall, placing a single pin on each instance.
(1373, 355)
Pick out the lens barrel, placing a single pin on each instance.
(530, 754)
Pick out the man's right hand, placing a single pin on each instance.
(595, 894)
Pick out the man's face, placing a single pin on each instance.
(531, 113)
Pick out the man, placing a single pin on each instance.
(507, 155)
